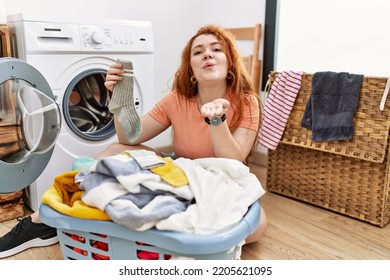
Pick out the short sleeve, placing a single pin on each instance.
(161, 112)
(251, 116)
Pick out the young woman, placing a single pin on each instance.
(212, 109)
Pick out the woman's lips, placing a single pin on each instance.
(208, 65)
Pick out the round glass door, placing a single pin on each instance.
(30, 121)
(85, 106)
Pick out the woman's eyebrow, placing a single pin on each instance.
(201, 45)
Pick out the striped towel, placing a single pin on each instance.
(278, 107)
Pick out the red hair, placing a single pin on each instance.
(238, 82)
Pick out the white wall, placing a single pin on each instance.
(174, 22)
(333, 35)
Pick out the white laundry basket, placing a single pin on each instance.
(83, 239)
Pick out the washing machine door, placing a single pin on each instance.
(30, 123)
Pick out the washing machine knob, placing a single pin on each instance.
(97, 37)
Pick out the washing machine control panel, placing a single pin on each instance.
(98, 38)
(116, 38)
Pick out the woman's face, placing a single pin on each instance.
(208, 59)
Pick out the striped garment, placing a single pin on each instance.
(278, 107)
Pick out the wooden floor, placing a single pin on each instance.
(297, 231)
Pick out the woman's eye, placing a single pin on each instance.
(197, 52)
(217, 50)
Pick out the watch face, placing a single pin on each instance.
(216, 120)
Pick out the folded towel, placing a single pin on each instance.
(146, 159)
(330, 109)
(278, 108)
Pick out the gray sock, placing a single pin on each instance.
(122, 104)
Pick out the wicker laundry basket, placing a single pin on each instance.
(349, 177)
(82, 239)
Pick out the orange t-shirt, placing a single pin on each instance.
(191, 137)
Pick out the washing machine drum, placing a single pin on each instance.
(30, 123)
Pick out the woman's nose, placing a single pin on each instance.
(207, 55)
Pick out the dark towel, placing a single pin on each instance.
(330, 109)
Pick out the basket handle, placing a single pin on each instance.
(385, 93)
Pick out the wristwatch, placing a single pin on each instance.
(215, 120)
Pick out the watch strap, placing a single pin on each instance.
(216, 120)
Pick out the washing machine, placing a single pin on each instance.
(73, 55)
